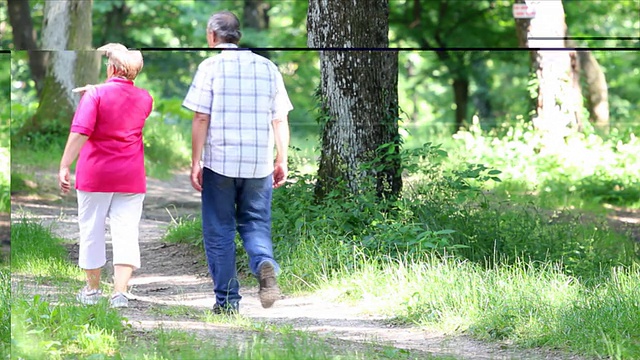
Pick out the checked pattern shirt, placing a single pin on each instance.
(243, 93)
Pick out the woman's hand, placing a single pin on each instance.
(64, 181)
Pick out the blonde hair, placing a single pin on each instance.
(127, 63)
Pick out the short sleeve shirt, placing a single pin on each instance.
(112, 115)
(243, 93)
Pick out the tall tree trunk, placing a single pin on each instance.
(596, 90)
(556, 101)
(72, 62)
(256, 17)
(24, 38)
(576, 90)
(114, 30)
(359, 94)
(255, 14)
(481, 97)
(461, 97)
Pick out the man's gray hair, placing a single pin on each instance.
(226, 26)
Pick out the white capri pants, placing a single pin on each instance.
(124, 211)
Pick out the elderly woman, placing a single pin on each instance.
(106, 133)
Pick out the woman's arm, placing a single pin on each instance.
(71, 151)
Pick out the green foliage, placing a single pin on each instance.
(5, 116)
(604, 188)
(167, 139)
(446, 211)
(587, 168)
(5, 196)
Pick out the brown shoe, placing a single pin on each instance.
(269, 290)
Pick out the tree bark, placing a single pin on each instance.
(24, 38)
(72, 62)
(256, 17)
(255, 14)
(114, 29)
(557, 101)
(481, 98)
(461, 98)
(597, 93)
(359, 97)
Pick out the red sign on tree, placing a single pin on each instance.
(523, 11)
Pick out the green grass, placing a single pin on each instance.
(39, 254)
(5, 311)
(56, 327)
(532, 306)
(43, 329)
(537, 279)
(186, 230)
(5, 196)
(521, 268)
(171, 344)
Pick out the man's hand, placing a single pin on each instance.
(63, 180)
(280, 172)
(196, 177)
(83, 89)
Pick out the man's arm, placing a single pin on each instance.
(71, 151)
(199, 128)
(281, 135)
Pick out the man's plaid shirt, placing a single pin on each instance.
(243, 92)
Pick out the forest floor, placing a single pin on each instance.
(176, 275)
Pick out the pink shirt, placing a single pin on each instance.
(112, 115)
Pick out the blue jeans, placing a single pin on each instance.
(230, 204)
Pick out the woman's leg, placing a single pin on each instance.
(93, 208)
(125, 213)
(122, 274)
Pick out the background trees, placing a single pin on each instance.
(69, 62)
(557, 94)
(464, 77)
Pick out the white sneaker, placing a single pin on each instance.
(119, 300)
(89, 296)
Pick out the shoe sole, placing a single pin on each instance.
(268, 294)
(119, 303)
(88, 301)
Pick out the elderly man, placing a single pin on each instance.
(241, 108)
(106, 137)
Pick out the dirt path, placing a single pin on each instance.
(177, 275)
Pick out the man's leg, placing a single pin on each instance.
(254, 226)
(218, 230)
